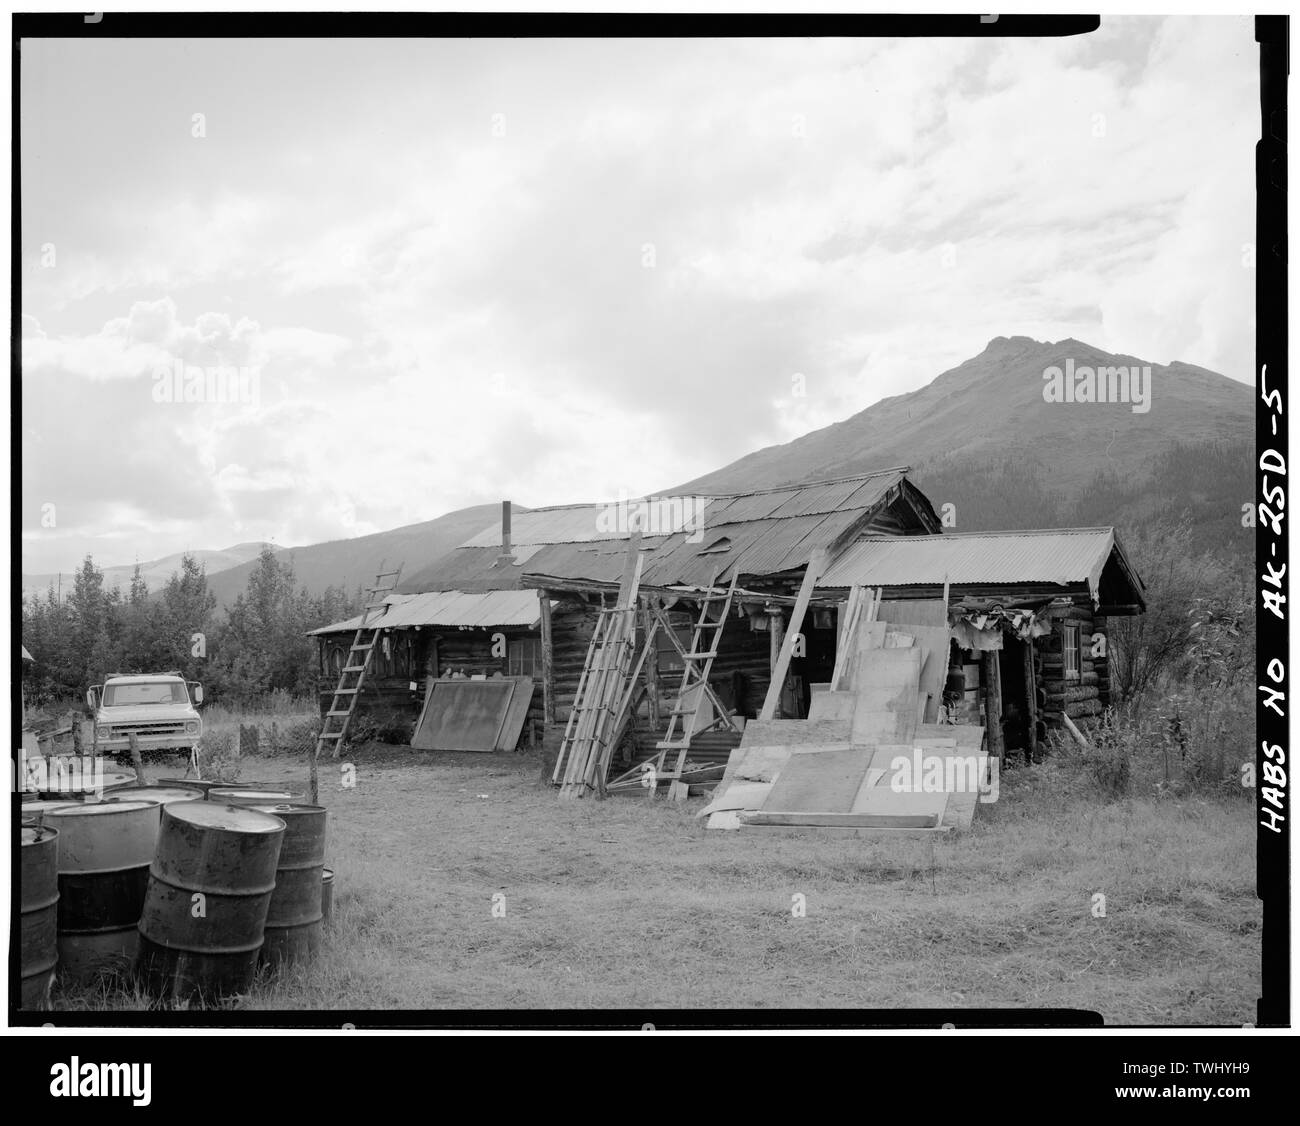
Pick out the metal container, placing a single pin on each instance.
(236, 795)
(210, 885)
(293, 920)
(39, 902)
(69, 777)
(326, 896)
(104, 854)
(207, 785)
(163, 795)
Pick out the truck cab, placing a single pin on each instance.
(157, 708)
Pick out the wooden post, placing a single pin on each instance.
(993, 703)
(652, 669)
(775, 637)
(137, 762)
(1031, 699)
(548, 662)
(781, 660)
(314, 788)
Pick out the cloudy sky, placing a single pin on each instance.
(556, 271)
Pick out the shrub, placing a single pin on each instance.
(1115, 740)
(218, 756)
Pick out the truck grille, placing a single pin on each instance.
(147, 730)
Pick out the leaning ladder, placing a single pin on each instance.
(696, 666)
(588, 736)
(339, 717)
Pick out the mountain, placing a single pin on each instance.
(156, 572)
(352, 563)
(982, 438)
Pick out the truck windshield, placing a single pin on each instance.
(150, 692)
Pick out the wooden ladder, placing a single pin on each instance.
(339, 717)
(602, 690)
(696, 666)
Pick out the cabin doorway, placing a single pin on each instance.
(1017, 713)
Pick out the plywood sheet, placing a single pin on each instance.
(886, 690)
(516, 713)
(463, 715)
(823, 783)
(832, 706)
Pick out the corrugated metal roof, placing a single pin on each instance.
(770, 530)
(452, 608)
(667, 515)
(1062, 556)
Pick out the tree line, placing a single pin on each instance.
(257, 645)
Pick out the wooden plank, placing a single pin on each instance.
(824, 782)
(548, 658)
(516, 712)
(816, 565)
(886, 707)
(882, 818)
(878, 834)
(832, 706)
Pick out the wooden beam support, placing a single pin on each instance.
(813, 572)
(548, 661)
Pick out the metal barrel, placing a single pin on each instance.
(207, 785)
(39, 902)
(293, 921)
(163, 795)
(326, 896)
(73, 777)
(210, 885)
(104, 854)
(241, 795)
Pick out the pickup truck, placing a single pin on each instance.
(157, 708)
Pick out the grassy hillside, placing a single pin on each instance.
(353, 562)
(983, 437)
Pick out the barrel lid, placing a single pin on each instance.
(34, 835)
(214, 815)
(48, 805)
(105, 807)
(158, 794)
(251, 795)
(281, 808)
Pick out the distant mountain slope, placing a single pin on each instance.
(155, 573)
(982, 437)
(353, 562)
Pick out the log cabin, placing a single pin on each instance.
(1027, 609)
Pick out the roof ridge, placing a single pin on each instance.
(995, 532)
(808, 484)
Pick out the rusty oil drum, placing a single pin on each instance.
(104, 853)
(294, 919)
(210, 886)
(39, 899)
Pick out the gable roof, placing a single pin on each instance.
(1053, 556)
(769, 531)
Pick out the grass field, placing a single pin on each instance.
(628, 904)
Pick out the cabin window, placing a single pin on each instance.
(334, 660)
(524, 657)
(1070, 651)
